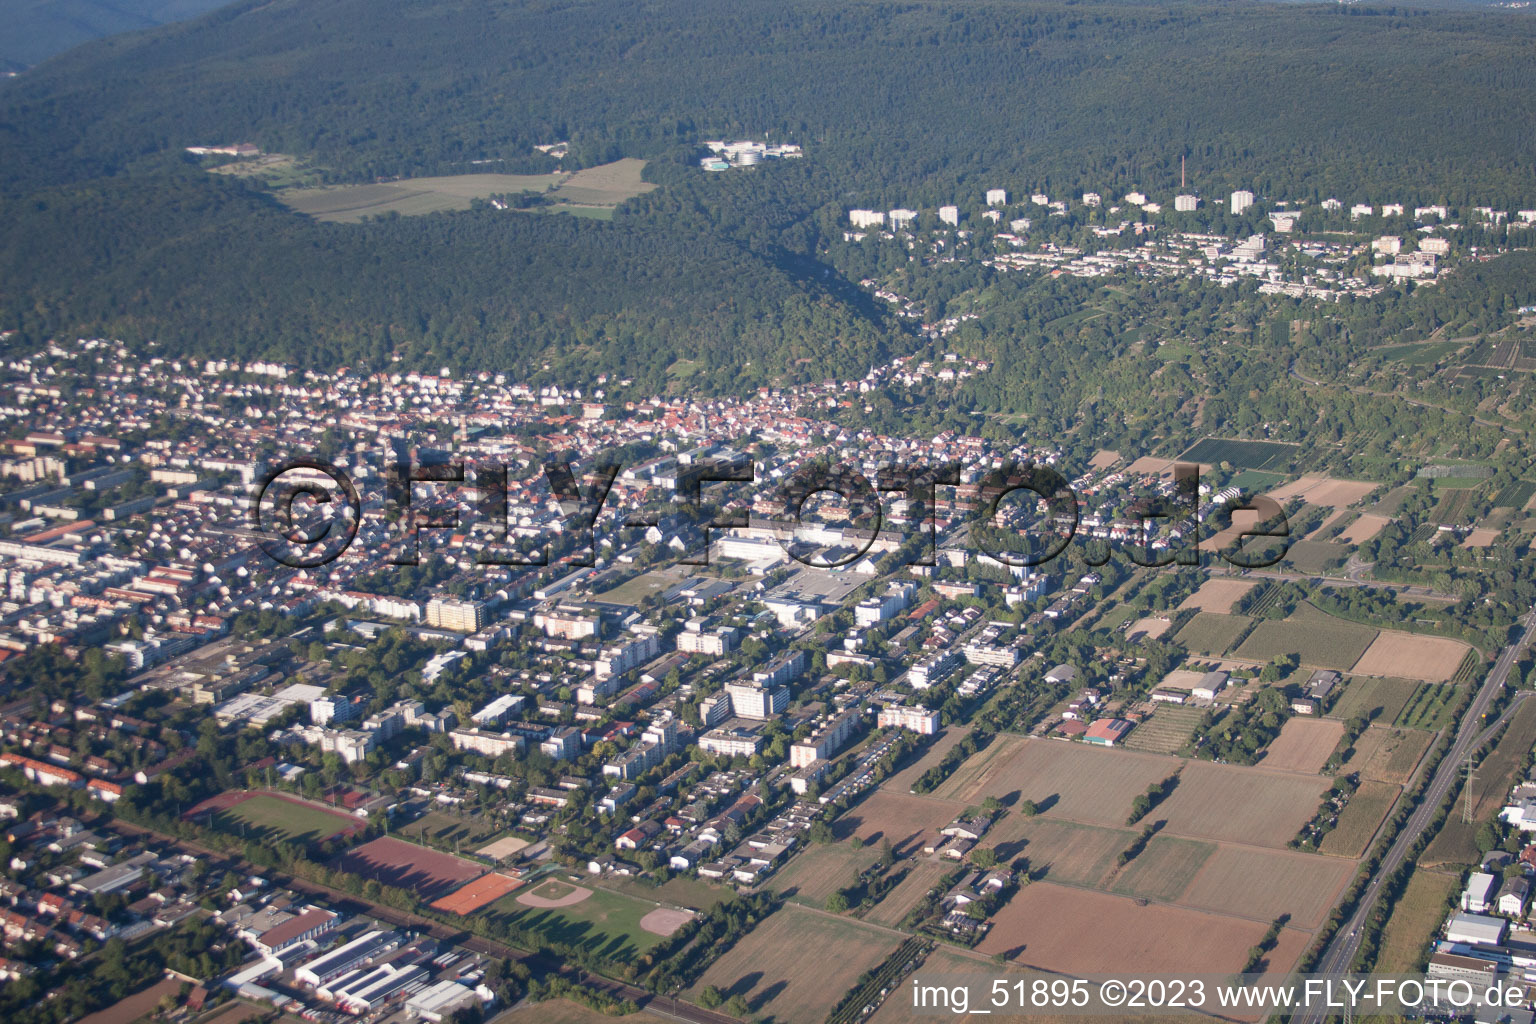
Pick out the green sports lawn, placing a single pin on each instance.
(606, 923)
(281, 819)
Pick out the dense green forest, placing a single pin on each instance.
(107, 227)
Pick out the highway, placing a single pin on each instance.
(1341, 951)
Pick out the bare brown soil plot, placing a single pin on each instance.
(1103, 459)
(1480, 538)
(664, 921)
(1217, 595)
(796, 964)
(1088, 783)
(925, 874)
(1263, 884)
(1386, 754)
(1364, 813)
(1149, 628)
(1067, 851)
(1242, 805)
(896, 816)
(1322, 490)
(1043, 926)
(1325, 524)
(131, 1008)
(1304, 744)
(975, 775)
(1363, 529)
(1433, 659)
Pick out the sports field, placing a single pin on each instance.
(275, 817)
(471, 897)
(605, 923)
(793, 966)
(395, 862)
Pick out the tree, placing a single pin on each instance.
(737, 1006)
(1028, 808)
(710, 998)
(985, 858)
(837, 903)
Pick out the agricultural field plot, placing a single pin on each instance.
(1153, 465)
(793, 966)
(1242, 805)
(1387, 754)
(607, 185)
(1217, 595)
(924, 875)
(822, 869)
(1166, 732)
(476, 894)
(395, 862)
(1324, 490)
(1432, 659)
(275, 817)
(1416, 918)
(1363, 529)
(1481, 538)
(1327, 524)
(1454, 503)
(967, 782)
(1430, 707)
(606, 923)
(410, 197)
(1320, 642)
(1454, 844)
(1376, 697)
(1515, 495)
(1364, 813)
(1304, 744)
(1077, 781)
(1212, 633)
(1103, 459)
(1267, 883)
(1164, 869)
(1067, 852)
(1315, 557)
(902, 781)
(1042, 927)
(895, 816)
(1243, 454)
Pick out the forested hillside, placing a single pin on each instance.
(37, 29)
(108, 227)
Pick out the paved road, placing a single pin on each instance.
(1470, 735)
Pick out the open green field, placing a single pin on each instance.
(1361, 817)
(606, 923)
(436, 828)
(633, 591)
(1418, 353)
(1212, 632)
(1256, 481)
(593, 192)
(1164, 869)
(1379, 698)
(1416, 918)
(1166, 731)
(1320, 642)
(680, 890)
(280, 820)
(1243, 454)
